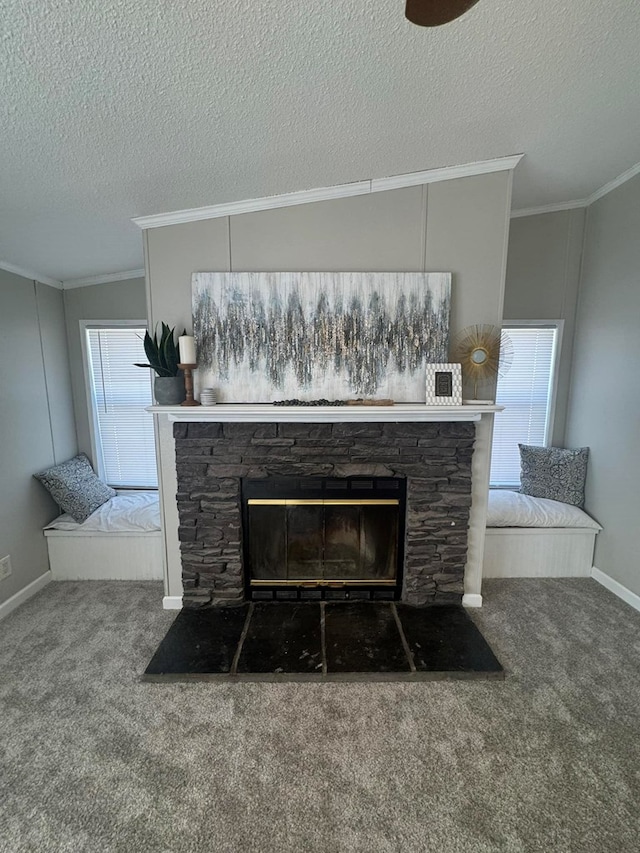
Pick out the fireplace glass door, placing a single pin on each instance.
(310, 538)
(323, 541)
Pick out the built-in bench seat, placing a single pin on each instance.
(121, 540)
(525, 537)
(536, 537)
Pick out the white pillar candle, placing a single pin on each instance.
(187, 346)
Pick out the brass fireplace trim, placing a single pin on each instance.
(322, 502)
(310, 579)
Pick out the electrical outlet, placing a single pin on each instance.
(5, 567)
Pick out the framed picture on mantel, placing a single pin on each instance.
(444, 385)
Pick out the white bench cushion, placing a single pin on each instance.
(128, 513)
(512, 509)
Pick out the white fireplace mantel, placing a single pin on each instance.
(480, 413)
(268, 413)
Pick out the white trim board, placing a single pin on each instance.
(615, 183)
(371, 185)
(25, 594)
(470, 599)
(259, 412)
(31, 275)
(581, 202)
(616, 588)
(550, 208)
(71, 283)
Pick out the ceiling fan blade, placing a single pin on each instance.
(434, 13)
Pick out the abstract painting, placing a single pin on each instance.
(263, 337)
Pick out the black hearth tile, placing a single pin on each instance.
(199, 642)
(363, 637)
(445, 639)
(282, 638)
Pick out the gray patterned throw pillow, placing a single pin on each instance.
(553, 473)
(75, 487)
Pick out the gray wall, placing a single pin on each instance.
(117, 300)
(604, 406)
(36, 420)
(459, 226)
(543, 273)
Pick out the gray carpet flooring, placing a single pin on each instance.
(93, 759)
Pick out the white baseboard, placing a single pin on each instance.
(172, 602)
(470, 599)
(616, 588)
(25, 594)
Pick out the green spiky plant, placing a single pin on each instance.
(162, 352)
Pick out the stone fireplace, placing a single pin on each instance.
(215, 458)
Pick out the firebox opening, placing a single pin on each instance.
(316, 538)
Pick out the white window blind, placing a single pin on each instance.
(526, 393)
(120, 391)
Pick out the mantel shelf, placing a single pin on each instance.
(265, 412)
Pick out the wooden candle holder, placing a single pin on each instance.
(188, 369)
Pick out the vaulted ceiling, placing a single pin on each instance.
(112, 110)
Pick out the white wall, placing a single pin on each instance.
(459, 226)
(604, 406)
(117, 300)
(543, 274)
(36, 420)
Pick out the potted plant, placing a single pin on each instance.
(162, 352)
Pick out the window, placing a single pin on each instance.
(122, 431)
(527, 393)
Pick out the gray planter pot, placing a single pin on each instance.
(169, 390)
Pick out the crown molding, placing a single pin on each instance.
(372, 185)
(31, 275)
(71, 283)
(550, 208)
(446, 173)
(582, 202)
(252, 205)
(615, 183)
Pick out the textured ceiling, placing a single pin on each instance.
(111, 110)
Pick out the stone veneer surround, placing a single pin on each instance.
(212, 458)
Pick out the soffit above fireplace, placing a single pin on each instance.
(263, 412)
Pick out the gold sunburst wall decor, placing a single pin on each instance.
(484, 352)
